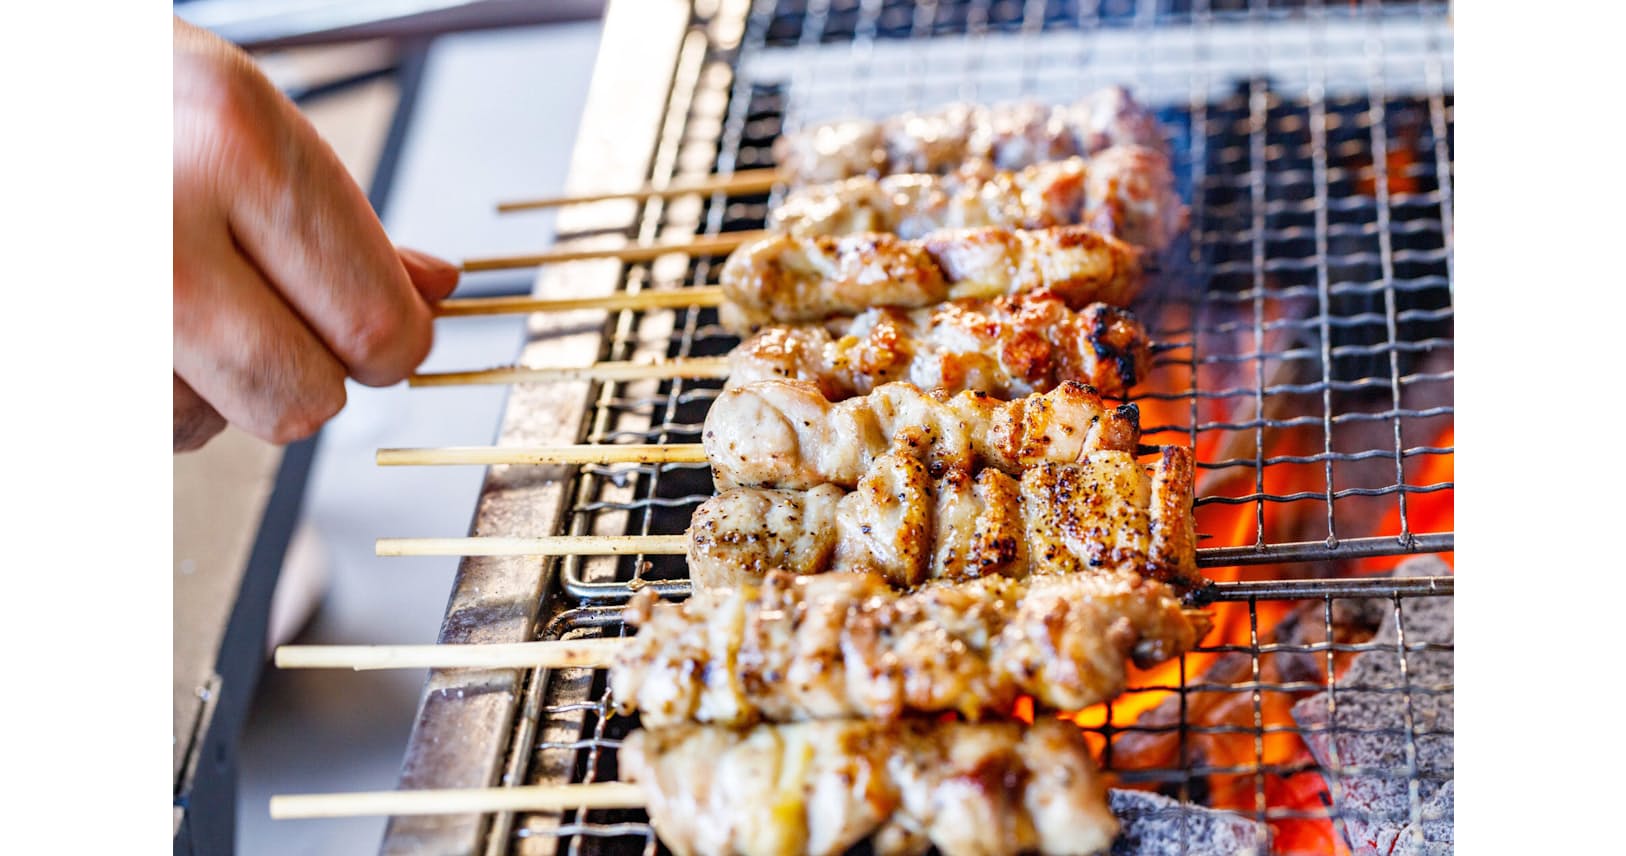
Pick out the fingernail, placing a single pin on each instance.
(433, 264)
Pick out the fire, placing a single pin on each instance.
(1252, 770)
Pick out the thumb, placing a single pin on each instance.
(434, 278)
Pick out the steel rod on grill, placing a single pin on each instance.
(744, 181)
(700, 295)
(701, 246)
(692, 368)
(676, 545)
(555, 545)
(458, 800)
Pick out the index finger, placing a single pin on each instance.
(295, 211)
(434, 278)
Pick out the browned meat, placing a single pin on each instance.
(1008, 347)
(782, 278)
(818, 788)
(1125, 191)
(1111, 515)
(1004, 136)
(1129, 193)
(846, 645)
(786, 434)
(1103, 513)
(910, 205)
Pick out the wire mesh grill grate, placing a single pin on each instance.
(1304, 337)
(1227, 745)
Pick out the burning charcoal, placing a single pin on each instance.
(1154, 825)
(1370, 723)
(1354, 620)
(1436, 828)
(1160, 749)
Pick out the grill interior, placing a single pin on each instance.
(1304, 336)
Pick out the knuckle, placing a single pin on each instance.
(230, 93)
(386, 346)
(310, 414)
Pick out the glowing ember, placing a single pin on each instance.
(1232, 737)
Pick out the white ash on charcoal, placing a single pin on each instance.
(1436, 836)
(1206, 712)
(1368, 723)
(1154, 825)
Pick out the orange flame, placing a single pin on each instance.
(1276, 770)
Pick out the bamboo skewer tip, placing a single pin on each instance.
(547, 654)
(595, 795)
(615, 453)
(744, 181)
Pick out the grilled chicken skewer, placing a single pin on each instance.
(786, 434)
(1103, 513)
(1009, 346)
(783, 278)
(848, 645)
(1006, 136)
(1124, 191)
(817, 788)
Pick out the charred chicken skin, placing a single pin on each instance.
(1009, 347)
(784, 278)
(1103, 513)
(786, 434)
(847, 645)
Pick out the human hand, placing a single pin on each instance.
(285, 282)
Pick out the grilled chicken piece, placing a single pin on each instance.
(818, 788)
(1008, 347)
(846, 645)
(786, 434)
(783, 278)
(1006, 137)
(1125, 191)
(1102, 514)
(1129, 193)
(910, 205)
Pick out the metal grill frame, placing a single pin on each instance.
(578, 735)
(512, 727)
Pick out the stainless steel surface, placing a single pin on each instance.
(1312, 305)
(459, 738)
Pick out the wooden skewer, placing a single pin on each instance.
(552, 545)
(555, 654)
(560, 654)
(700, 295)
(696, 367)
(458, 801)
(744, 181)
(708, 245)
(666, 298)
(676, 453)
